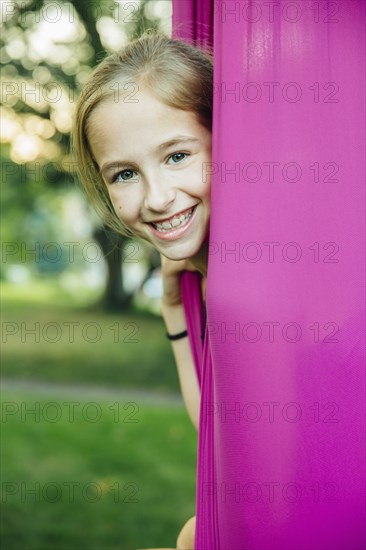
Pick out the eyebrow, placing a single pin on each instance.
(177, 140)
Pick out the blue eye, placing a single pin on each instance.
(115, 177)
(177, 154)
(129, 172)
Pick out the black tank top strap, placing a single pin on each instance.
(204, 321)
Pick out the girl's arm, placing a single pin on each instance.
(175, 322)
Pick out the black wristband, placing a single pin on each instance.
(177, 336)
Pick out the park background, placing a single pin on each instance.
(98, 451)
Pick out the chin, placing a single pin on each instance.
(180, 252)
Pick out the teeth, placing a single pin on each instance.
(176, 221)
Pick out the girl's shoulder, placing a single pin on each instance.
(203, 287)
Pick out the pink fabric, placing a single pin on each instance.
(193, 305)
(281, 463)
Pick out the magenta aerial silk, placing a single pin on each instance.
(281, 443)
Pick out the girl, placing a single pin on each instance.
(142, 138)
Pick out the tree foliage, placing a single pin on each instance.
(47, 50)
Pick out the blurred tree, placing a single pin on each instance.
(46, 54)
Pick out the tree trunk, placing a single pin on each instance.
(115, 298)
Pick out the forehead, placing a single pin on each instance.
(143, 121)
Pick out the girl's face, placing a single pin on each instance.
(153, 160)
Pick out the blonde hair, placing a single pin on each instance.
(177, 73)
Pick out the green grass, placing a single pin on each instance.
(152, 461)
(73, 342)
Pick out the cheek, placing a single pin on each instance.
(117, 203)
(203, 186)
(125, 209)
(203, 178)
(208, 186)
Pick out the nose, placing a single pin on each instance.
(159, 193)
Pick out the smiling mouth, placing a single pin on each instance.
(174, 222)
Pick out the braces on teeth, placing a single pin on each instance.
(177, 222)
